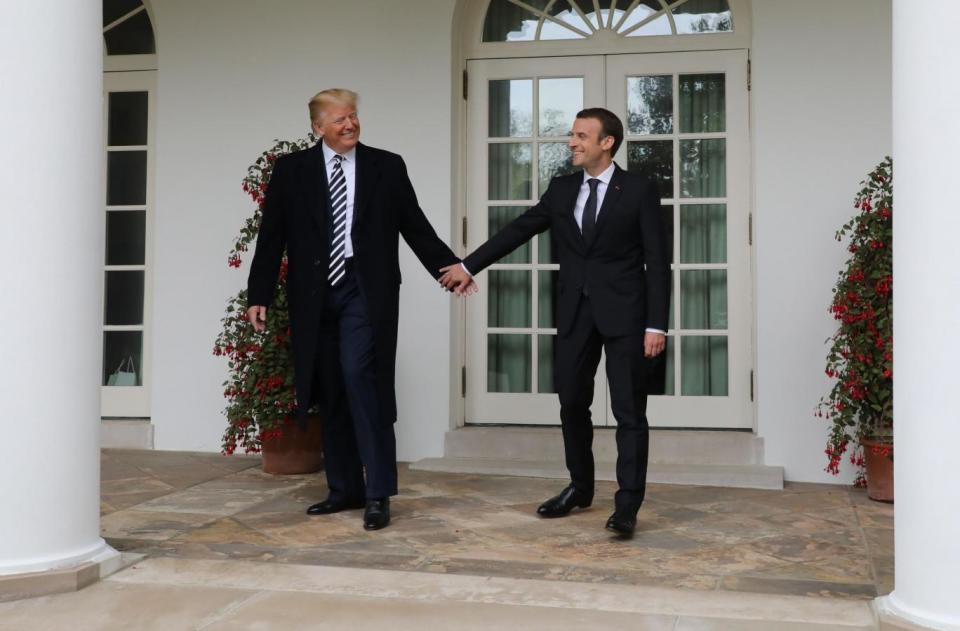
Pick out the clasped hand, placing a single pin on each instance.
(456, 279)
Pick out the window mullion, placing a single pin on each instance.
(120, 20)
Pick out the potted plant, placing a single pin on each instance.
(259, 387)
(859, 406)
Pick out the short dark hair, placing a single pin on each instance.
(610, 125)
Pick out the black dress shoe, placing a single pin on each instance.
(377, 515)
(623, 522)
(562, 504)
(333, 505)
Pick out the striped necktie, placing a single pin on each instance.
(338, 202)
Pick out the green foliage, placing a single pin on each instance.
(259, 388)
(859, 406)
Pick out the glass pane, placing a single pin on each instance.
(654, 159)
(703, 299)
(555, 159)
(510, 171)
(128, 119)
(547, 298)
(509, 300)
(124, 297)
(500, 216)
(703, 366)
(511, 108)
(703, 167)
(702, 103)
(658, 26)
(669, 388)
(122, 358)
(545, 248)
(560, 100)
(545, 363)
(126, 178)
(618, 7)
(116, 9)
(508, 362)
(562, 11)
(126, 230)
(666, 217)
(703, 233)
(703, 16)
(131, 37)
(650, 105)
(507, 22)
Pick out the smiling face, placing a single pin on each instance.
(339, 127)
(590, 152)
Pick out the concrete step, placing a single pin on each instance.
(752, 476)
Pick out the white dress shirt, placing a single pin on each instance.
(349, 166)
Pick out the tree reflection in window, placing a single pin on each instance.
(127, 29)
(532, 20)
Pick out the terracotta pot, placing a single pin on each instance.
(296, 451)
(879, 461)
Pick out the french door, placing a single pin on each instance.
(685, 117)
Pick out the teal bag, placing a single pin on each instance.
(124, 375)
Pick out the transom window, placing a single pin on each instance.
(540, 20)
(127, 29)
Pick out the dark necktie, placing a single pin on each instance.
(338, 205)
(589, 220)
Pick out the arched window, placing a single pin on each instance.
(127, 29)
(540, 20)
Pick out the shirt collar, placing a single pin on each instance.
(328, 154)
(604, 177)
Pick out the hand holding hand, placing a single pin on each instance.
(257, 315)
(653, 344)
(456, 279)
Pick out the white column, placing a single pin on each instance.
(51, 256)
(926, 134)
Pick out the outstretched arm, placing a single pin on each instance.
(417, 231)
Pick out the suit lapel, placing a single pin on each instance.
(609, 201)
(365, 177)
(318, 191)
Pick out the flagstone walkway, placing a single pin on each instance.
(807, 540)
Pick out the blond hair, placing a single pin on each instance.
(333, 96)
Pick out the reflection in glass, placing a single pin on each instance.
(133, 36)
(650, 105)
(555, 159)
(123, 293)
(115, 9)
(703, 16)
(703, 167)
(703, 366)
(500, 216)
(508, 362)
(703, 299)
(509, 299)
(507, 22)
(545, 356)
(126, 178)
(122, 358)
(511, 108)
(657, 26)
(560, 100)
(566, 16)
(127, 119)
(703, 233)
(545, 248)
(126, 230)
(547, 298)
(653, 159)
(510, 171)
(606, 19)
(702, 103)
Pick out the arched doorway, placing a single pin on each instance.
(677, 74)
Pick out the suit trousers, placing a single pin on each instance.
(356, 437)
(577, 358)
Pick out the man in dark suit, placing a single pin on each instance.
(338, 210)
(614, 294)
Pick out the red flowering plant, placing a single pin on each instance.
(259, 387)
(859, 406)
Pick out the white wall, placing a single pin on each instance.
(821, 120)
(234, 75)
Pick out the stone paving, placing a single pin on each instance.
(807, 540)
